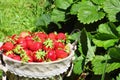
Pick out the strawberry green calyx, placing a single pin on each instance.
(67, 48)
(36, 38)
(17, 49)
(40, 54)
(9, 52)
(48, 43)
(25, 58)
(63, 41)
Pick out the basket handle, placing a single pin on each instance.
(78, 38)
(73, 48)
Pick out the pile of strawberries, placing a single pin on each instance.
(36, 47)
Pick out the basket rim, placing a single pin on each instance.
(51, 62)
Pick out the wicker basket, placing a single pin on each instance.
(39, 70)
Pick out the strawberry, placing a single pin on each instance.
(21, 41)
(28, 52)
(10, 39)
(30, 59)
(61, 36)
(28, 38)
(48, 44)
(39, 56)
(26, 58)
(9, 54)
(61, 53)
(16, 57)
(24, 34)
(29, 55)
(34, 46)
(51, 55)
(59, 45)
(52, 36)
(18, 49)
(8, 46)
(42, 36)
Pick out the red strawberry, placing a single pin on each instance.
(8, 46)
(34, 46)
(61, 53)
(61, 36)
(10, 39)
(28, 52)
(51, 55)
(39, 56)
(24, 34)
(16, 57)
(48, 44)
(59, 45)
(42, 36)
(29, 43)
(28, 38)
(18, 49)
(30, 59)
(22, 42)
(9, 54)
(52, 36)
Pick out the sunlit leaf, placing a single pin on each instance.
(106, 43)
(44, 20)
(89, 13)
(98, 1)
(91, 51)
(63, 4)
(75, 7)
(112, 7)
(57, 15)
(77, 69)
(118, 77)
(99, 64)
(105, 28)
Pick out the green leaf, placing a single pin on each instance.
(112, 7)
(118, 77)
(57, 15)
(1, 72)
(113, 28)
(98, 1)
(83, 41)
(63, 4)
(104, 36)
(91, 51)
(89, 13)
(98, 64)
(75, 7)
(77, 68)
(115, 53)
(118, 29)
(106, 43)
(44, 20)
(74, 36)
(107, 35)
(105, 28)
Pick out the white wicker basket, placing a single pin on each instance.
(39, 70)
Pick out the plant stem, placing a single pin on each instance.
(103, 75)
